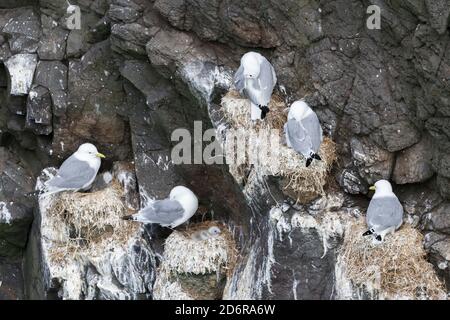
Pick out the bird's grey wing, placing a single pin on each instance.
(239, 80)
(298, 137)
(313, 129)
(73, 174)
(267, 81)
(384, 212)
(163, 212)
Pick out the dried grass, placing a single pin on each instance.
(300, 182)
(182, 254)
(397, 268)
(188, 266)
(88, 222)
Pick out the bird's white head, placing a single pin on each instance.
(214, 231)
(88, 150)
(382, 188)
(186, 198)
(299, 110)
(250, 62)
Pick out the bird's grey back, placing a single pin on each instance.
(312, 126)
(164, 212)
(267, 80)
(384, 212)
(298, 138)
(73, 174)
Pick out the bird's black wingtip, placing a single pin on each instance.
(308, 162)
(129, 217)
(316, 156)
(367, 233)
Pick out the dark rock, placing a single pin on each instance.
(11, 280)
(17, 104)
(130, 38)
(413, 165)
(438, 219)
(441, 158)
(400, 135)
(352, 182)
(438, 247)
(24, 31)
(124, 14)
(76, 45)
(52, 75)
(52, 45)
(439, 127)
(439, 11)
(373, 163)
(15, 206)
(156, 89)
(443, 186)
(418, 200)
(94, 107)
(39, 111)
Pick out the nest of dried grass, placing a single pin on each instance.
(88, 222)
(300, 182)
(397, 268)
(195, 268)
(182, 254)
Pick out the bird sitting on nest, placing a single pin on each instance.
(385, 212)
(170, 212)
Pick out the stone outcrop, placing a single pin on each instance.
(136, 70)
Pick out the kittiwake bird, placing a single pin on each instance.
(255, 79)
(385, 212)
(209, 233)
(303, 131)
(171, 212)
(77, 172)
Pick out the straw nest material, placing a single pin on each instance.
(88, 222)
(183, 254)
(396, 268)
(300, 182)
(193, 268)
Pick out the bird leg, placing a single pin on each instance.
(264, 111)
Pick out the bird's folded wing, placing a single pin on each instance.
(163, 212)
(298, 137)
(312, 126)
(266, 81)
(384, 212)
(239, 80)
(73, 174)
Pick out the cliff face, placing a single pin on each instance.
(138, 69)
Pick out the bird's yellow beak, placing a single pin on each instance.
(372, 188)
(100, 155)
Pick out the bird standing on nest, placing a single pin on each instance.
(77, 172)
(255, 79)
(171, 212)
(385, 212)
(303, 131)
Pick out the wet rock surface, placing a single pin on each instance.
(137, 70)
